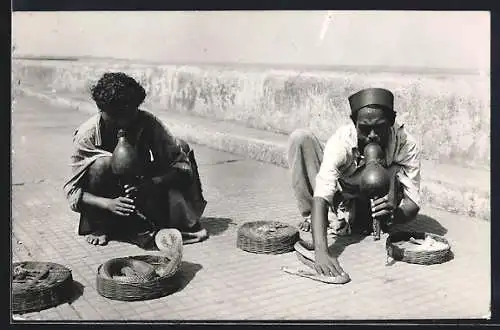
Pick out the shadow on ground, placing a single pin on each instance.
(339, 243)
(186, 273)
(424, 223)
(77, 292)
(216, 226)
(342, 242)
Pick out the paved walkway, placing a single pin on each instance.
(220, 281)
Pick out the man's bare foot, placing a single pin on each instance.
(305, 225)
(97, 239)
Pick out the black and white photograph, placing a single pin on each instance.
(250, 165)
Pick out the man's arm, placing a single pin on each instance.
(84, 150)
(324, 263)
(334, 157)
(89, 199)
(406, 211)
(319, 221)
(409, 176)
(174, 162)
(122, 206)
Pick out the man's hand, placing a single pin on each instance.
(324, 264)
(327, 265)
(131, 190)
(122, 206)
(382, 207)
(144, 187)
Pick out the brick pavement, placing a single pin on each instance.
(220, 281)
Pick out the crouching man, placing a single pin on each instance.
(326, 181)
(169, 195)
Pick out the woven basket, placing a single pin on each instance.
(156, 287)
(269, 237)
(422, 257)
(39, 285)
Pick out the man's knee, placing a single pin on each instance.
(99, 174)
(393, 174)
(299, 136)
(101, 166)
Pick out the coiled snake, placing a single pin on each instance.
(168, 241)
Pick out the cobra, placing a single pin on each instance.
(169, 243)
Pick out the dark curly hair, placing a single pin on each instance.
(116, 90)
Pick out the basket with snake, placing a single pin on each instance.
(145, 276)
(418, 248)
(39, 285)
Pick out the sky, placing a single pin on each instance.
(448, 40)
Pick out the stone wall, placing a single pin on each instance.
(448, 113)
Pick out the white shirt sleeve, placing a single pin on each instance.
(334, 158)
(408, 157)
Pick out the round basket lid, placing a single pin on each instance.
(267, 237)
(267, 230)
(39, 285)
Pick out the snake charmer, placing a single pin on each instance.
(326, 178)
(169, 193)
